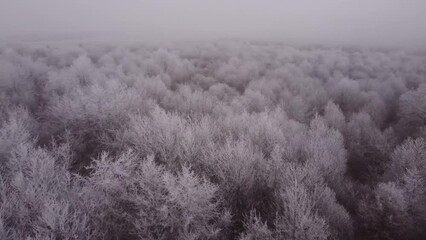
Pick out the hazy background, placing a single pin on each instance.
(354, 22)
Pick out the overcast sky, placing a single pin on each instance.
(359, 22)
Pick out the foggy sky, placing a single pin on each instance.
(355, 22)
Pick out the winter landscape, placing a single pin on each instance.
(225, 136)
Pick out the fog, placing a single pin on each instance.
(362, 22)
(207, 120)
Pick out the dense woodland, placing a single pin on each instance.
(223, 140)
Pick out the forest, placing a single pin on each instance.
(211, 140)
